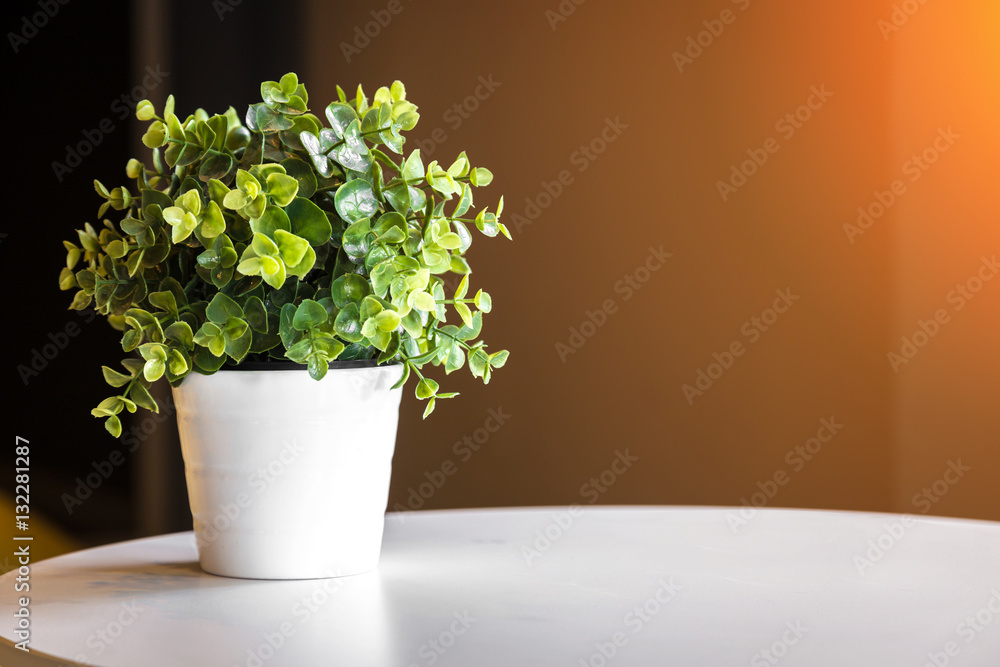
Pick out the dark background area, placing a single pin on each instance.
(68, 76)
(72, 80)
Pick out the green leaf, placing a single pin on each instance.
(413, 168)
(356, 200)
(390, 228)
(426, 388)
(271, 220)
(305, 265)
(255, 314)
(349, 288)
(141, 396)
(114, 426)
(177, 364)
(236, 200)
(309, 314)
(421, 300)
(403, 378)
(235, 327)
(207, 361)
(282, 188)
(459, 265)
(292, 248)
(464, 203)
(348, 324)
(114, 378)
(483, 301)
(153, 352)
(221, 308)
(131, 339)
(154, 369)
(216, 166)
(470, 333)
(155, 135)
(463, 288)
(387, 320)
(309, 221)
(263, 246)
(381, 277)
(460, 167)
(399, 197)
(81, 301)
(352, 137)
(498, 359)
(317, 367)
(464, 312)
(355, 239)
(340, 116)
(300, 351)
(285, 329)
(273, 272)
(212, 223)
(303, 173)
(237, 348)
(164, 301)
(481, 176)
(181, 332)
(429, 409)
(145, 110)
(478, 363)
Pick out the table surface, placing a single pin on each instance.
(591, 586)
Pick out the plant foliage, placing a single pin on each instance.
(285, 238)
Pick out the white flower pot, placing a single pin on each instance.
(288, 478)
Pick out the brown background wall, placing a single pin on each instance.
(655, 184)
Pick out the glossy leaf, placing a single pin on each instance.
(355, 200)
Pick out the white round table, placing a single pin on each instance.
(591, 586)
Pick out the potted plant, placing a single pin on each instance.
(286, 277)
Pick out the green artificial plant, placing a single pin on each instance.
(285, 239)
